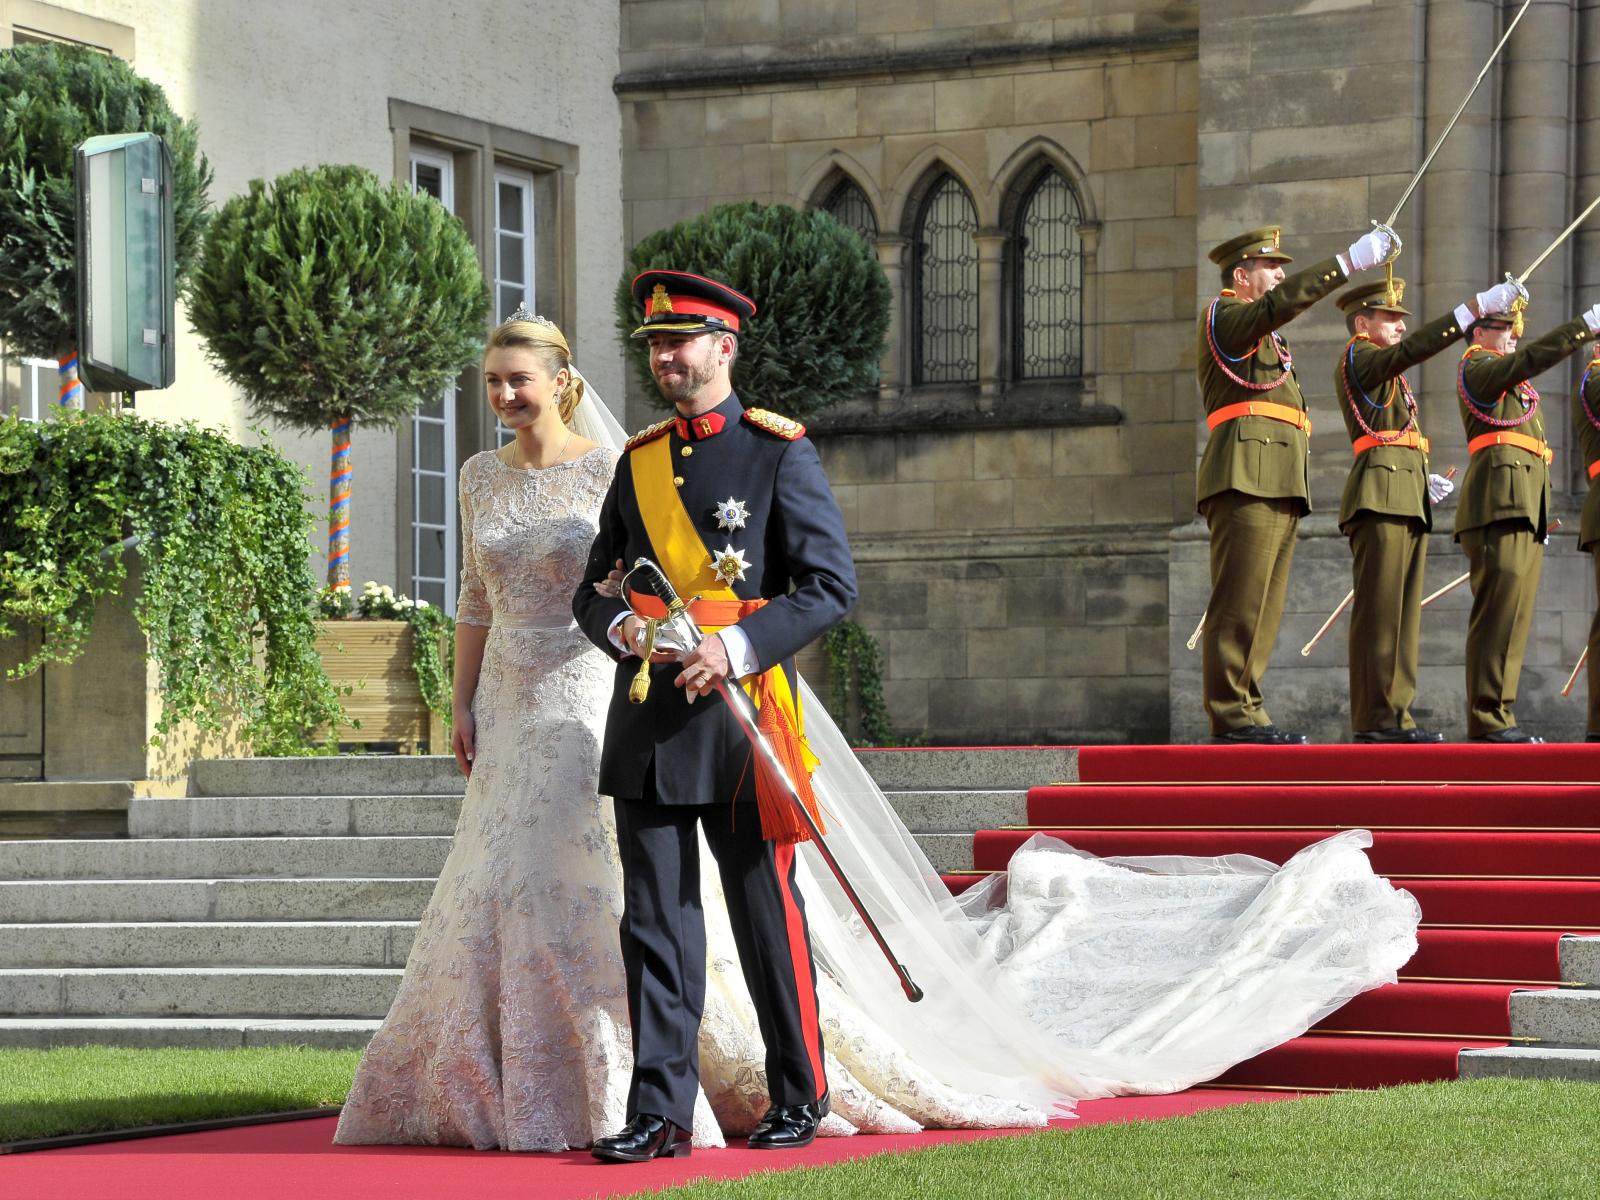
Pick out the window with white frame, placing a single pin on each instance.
(433, 441)
(513, 251)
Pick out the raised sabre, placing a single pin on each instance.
(678, 633)
(1554, 246)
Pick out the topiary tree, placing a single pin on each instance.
(333, 300)
(822, 302)
(53, 97)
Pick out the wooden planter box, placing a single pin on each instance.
(375, 659)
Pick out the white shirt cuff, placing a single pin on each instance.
(1464, 317)
(614, 633)
(1344, 265)
(741, 655)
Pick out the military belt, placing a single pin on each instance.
(1286, 413)
(1521, 441)
(706, 613)
(1594, 468)
(1411, 440)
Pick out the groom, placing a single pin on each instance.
(733, 505)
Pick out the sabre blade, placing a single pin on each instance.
(1556, 245)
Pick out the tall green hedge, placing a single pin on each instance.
(52, 98)
(822, 301)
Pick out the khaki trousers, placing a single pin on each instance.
(1385, 619)
(1505, 559)
(1594, 650)
(1252, 545)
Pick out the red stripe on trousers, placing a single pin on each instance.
(805, 987)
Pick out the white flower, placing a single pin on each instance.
(423, 604)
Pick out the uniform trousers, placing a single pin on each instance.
(1390, 553)
(1252, 545)
(664, 950)
(1594, 651)
(1505, 559)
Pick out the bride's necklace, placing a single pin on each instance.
(533, 466)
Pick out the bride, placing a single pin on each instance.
(1067, 977)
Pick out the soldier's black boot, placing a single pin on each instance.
(790, 1126)
(1398, 737)
(645, 1137)
(1514, 736)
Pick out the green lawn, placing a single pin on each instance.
(89, 1089)
(1514, 1138)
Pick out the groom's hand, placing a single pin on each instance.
(704, 668)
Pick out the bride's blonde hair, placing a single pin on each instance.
(545, 341)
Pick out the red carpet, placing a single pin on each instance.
(1499, 844)
(298, 1161)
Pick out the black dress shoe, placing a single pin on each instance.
(789, 1126)
(1509, 737)
(1398, 737)
(1260, 735)
(1592, 737)
(644, 1137)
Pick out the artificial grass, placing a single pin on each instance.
(92, 1089)
(1479, 1139)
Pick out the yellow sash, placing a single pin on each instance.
(682, 555)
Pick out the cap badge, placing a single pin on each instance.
(660, 301)
(732, 514)
(730, 564)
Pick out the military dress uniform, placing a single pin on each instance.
(739, 497)
(1252, 485)
(1503, 515)
(1385, 510)
(1586, 436)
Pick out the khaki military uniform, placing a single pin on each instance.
(1385, 511)
(1586, 437)
(1502, 519)
(1252, 485)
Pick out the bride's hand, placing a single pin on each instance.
(464, 740)
(611, 586)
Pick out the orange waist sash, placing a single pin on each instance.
(1519, 440)
(1286, 413)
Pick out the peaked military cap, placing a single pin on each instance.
(1374, 297)
(678, 302)
(1258, 243)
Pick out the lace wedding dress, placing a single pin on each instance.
(1069, 977)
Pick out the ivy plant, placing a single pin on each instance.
(220, 533)
(855, 664)
(433, 630)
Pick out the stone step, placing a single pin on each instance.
(960, 811)
(292, 816)
(340, 775)
(946, 851)
(1565, 1016)
(1581, 1063)
(350, 992)
(1580, 960)
(224, 858)
(51, 901)
(962, 767)
(186, 943)
(198, 1033)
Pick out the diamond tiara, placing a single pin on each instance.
(522, 314)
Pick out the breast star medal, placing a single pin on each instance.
(732, 514)
(729, 564)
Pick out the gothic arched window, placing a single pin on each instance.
(847, 204)
(1047, 300)
(944, 300)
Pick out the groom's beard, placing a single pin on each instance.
(679, 388)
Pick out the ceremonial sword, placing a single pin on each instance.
(680, 634)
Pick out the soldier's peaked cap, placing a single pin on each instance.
(1374, 297)
(679, 302)
(1258, 243)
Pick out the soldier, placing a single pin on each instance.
(1502, 519)
(1586, 431)
(1252, 487)
(1387, 507)
(733, 505)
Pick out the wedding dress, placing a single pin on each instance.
(1066, 977)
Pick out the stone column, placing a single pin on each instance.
(1457, 196)
(1089, 244)
(894, 368)
(992, 304)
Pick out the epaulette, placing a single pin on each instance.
(648, 435)
(789, 430)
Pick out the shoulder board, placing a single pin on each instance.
(789, 430)
(648, 435)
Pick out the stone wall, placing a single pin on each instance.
(1011, 538)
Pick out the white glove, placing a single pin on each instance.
(1591, 318)
(1501, 297)
(1439, 487)
(1370, 249)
